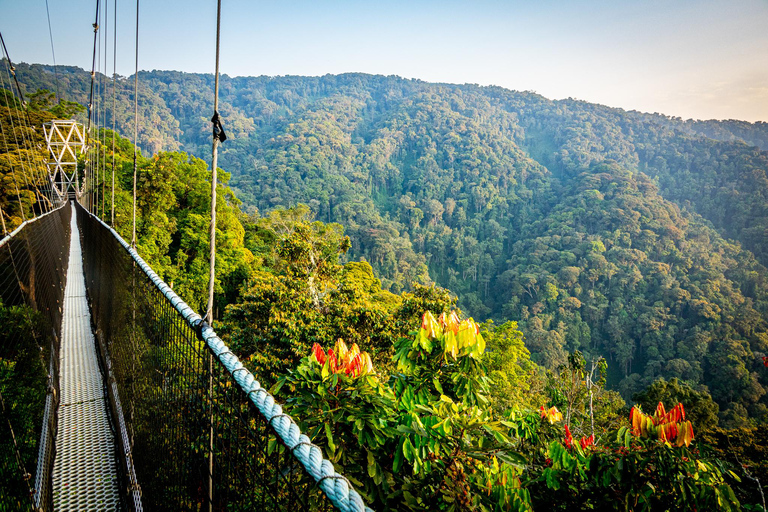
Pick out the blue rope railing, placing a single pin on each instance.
(297, 447)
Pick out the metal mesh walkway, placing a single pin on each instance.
(85, 469)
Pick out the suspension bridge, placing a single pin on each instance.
(127, 396)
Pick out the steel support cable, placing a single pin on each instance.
(97, 118)
(15, 138)
(135, 124)
(53, 53)
(89, 164)
(212, 257)
(102, 110)
(13, 172)
(13, 72)
(134, 340)
(10, 70)
(214, 165)
(104, 107)
(19, 147)
(114, 108)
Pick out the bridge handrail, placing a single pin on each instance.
(35, 249)
(27, 222)
(335, 486)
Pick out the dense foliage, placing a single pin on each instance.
(425, 437)
(635, 237)
(23, 386)
(613, 250)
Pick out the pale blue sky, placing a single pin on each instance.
(694, 59)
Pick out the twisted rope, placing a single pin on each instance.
(335, 486)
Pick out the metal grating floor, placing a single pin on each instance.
(85, 467)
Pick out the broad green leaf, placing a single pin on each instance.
(329, 437)
(398, 462)
(371, 465)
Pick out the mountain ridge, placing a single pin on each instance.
(618, 233)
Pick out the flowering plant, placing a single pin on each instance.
(340, 359)
(667, 426)
(552, 414)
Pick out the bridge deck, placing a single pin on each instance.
(85, 468)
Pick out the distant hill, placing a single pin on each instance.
(637, 236)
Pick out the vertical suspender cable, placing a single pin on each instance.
(53, 52)
(134, 342)
(216, 139)
(23, 155)
(104, 109)
(114, 108)
(135, 123)
(15, 79)
(98, 101)
(218, 136)
(7, 151)
(90, 107)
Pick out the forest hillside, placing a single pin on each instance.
(638, 237)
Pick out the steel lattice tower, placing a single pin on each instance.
(65, 139)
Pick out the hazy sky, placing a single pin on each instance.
(694, 59)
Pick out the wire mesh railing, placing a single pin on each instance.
(197, 431)
(33, 263)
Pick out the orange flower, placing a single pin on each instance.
(587, 441)
(636, 418)
(450, 322)
(431, 326)
(668, 426)
(341, 359)
(341, 351)
(355, 350)
(685, 434)
(367, 363)
(354, 367)
(552, 414)
(318, 353)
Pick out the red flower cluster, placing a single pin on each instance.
(583, 442)
(349, 361)
(765, 361)
(587, 441)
